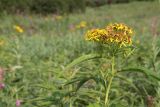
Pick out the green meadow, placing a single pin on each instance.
(34, 60)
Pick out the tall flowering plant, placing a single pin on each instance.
(115, 40)
(115, 37)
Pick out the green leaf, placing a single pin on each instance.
(127, 81)
(145, 71)
(83, 81)
(72, 81)
(82, 59)
(94, 105)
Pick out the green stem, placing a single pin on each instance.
(110, 82)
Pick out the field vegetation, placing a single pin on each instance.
(45, 60)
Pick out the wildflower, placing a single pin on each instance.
(18, 29)
(119, 33)
(97, 35)
(18, 103)
(82, 24)
(46, 18)
(2, 42)
(58, 17)
(2, 85)
(114, 33)
(30, 17)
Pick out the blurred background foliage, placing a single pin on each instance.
(34, 60)
(53, 6)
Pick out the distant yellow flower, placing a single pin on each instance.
(2, 42)
(18, 28)
(46, 18)
(58, 17)
(30, 17)
(113, 33)
(82, 24)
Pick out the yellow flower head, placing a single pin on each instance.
(82, 24)
(98, 35)
(113, 33)
(18, 29)
(2, 42)
(58, 17)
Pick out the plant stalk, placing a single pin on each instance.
(110, 82)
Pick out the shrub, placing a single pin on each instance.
(94, 3)
(42, 6)
(126, 1)
(53, 6)
(15, 5)
(48, 6)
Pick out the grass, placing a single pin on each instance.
(34, 61)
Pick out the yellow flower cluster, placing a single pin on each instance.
(113, 33)
(18, 29)
(82, 24)
(97, 35)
